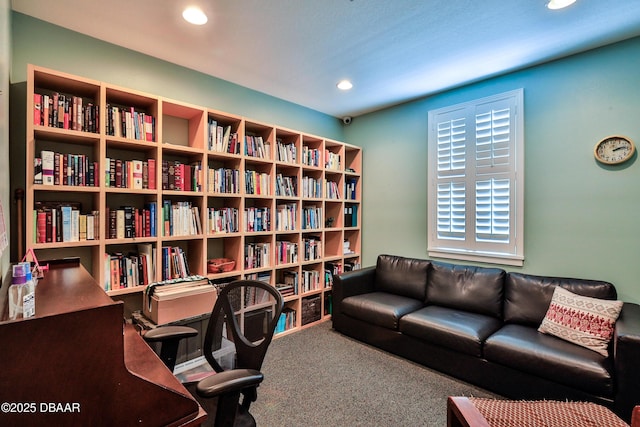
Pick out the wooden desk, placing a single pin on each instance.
(477, 412)
(76, 363)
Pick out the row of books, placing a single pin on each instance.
(331, 160)
(310, 156)
(127, 122)
(262, 276)
(53, 168)
(180, 176)
(286, 217)
(64, 222)
(136, 174)
(287, 153)
(256, 255)
(286, 186)
(174, 263)
(310, 280)
(222, 220)
(311, 187)
(130, 270)
(331, 269)
(351, 265)
(257, 219)
(222, 139)
(286, 252)
(311, 218)
(286, 321)
(128, 222)
(254, 296)
(312, 248)
(257, 183)
(180, 219)
(331, 190)
(223, 180)
(254, 146)
(65, 111)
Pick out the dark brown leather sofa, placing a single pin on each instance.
(480, 325)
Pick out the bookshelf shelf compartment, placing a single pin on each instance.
(256, 157)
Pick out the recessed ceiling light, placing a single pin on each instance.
(344, 85)
(559, 4)
(194, 15)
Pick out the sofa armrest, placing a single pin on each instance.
(626, 356)
(353, 282)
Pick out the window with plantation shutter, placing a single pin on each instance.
(476, 180)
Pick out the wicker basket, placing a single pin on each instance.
(220, 265)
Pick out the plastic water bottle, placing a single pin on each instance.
(22, 295)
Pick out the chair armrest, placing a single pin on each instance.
(165, 333)
(230, 381)
(169, 338)
(626, 353)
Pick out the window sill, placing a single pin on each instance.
(511, 260)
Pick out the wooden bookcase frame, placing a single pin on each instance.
(182, 134)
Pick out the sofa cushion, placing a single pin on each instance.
(380, 308)
(527, 297)
(457, 330)
(585, 321)
(402, 276)
(474, 289)
(525, 349)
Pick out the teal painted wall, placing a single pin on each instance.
(40, 43)
(581, 219)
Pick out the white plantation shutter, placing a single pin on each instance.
(475, 180)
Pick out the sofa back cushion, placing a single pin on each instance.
(527, 297)
(402, 276)
(474, 289)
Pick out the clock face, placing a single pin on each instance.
(614, 149)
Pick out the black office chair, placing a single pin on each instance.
(246, 313)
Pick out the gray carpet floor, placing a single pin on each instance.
(319, 377)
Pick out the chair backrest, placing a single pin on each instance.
(248, 310)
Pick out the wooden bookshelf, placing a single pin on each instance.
(228, 202)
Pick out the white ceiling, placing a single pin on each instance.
(392, 50)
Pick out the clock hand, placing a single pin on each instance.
(619, 148)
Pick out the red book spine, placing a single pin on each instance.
(147, 223)
(138, 224)
(119, 174)
(49, 226)
(187, 184)
(179, 177)
(115, 273)
(41, 227)
(152, 173)
(37, 109)
(148, 127)
(67, 109)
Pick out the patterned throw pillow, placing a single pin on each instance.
(585, 321)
